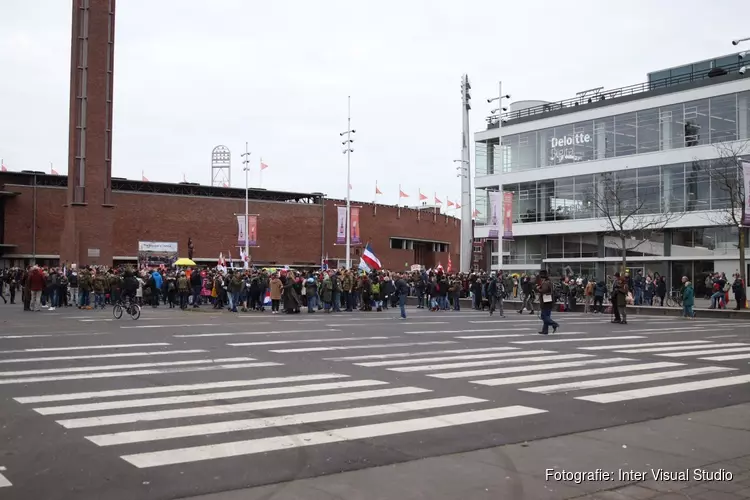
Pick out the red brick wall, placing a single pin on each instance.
(288, 233)
(381, 224)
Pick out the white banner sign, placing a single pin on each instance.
(494, 222)
(341, 226)
(241, 230)
(157, 246)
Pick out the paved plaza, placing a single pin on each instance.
(366, 406)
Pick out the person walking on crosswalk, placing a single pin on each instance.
(402, 290)
(495, 291)
(546, 301)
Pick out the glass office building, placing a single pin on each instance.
(657, 140)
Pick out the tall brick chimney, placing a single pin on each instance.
(89, 214)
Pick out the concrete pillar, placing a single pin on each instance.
(743, 104)
(666, 132)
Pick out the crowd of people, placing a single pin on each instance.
(332, 291)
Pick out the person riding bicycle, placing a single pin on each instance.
(129, 287)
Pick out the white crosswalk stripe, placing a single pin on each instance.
(84, 347)
(522, 379)
(527, 368)
(368, 346)
(663, 390)
(582, 339)
(488, 362)
(650, 344)
(265, 445)
(307, 341)
(102, 356)
(118, 367)
(730, 357)
(415, 354)
(397, 362)
(707, 352)
(674, 348)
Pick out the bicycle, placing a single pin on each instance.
(674, 299)
(133, 309)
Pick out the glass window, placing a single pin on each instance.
(526, 156)
(626, 187)
(562, 145)
(584, 201)
(625, 134)
(583, 141)
(723, 118)
(658, 78)
(589, 245)
(480, 158)
(648, 130)
(697, 186)
(726, 61)
(527, 202)
(564, 202)
(743, 115)
(672, 125)
(481, 205)
(554, 246)
(509, 149)
(673, 188)
(649, 190)
(513, 188)
(696, 123)
(604, 138)
(682, 242)
(572, 246)
(724, 179)
(546, 197)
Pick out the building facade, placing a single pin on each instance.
(660, 140)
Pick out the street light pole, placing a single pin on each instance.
(246, 168)
(348, 152)
(499, 110)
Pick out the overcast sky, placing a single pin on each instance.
(190, 75)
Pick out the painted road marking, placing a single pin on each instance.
(663, 390)
(227, 334)
(469, 364)
(522, 379)
(731, 357)
(590, 339)
(173, 388)
(119, 367)
(680, 348)
(420, 353)
(471, 337)
(651, 344)
(214, 409)
(128, 437)
(367, 346)
(100, 356)
(77, 348)
(704, 353)
(275, 342)
(470, 331)
(526, 368)
(134, 373)
(3, 480)
(264, 445)
(398, 362)
(634, 379)
(199, 398)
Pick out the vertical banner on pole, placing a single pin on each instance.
(746, 184)
(341, 226)
(355, 233)
(252, 225)
(508, 215)
(494, 211)
(241, 231)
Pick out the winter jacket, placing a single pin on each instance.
(276, 287)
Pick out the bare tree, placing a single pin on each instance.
(626, 212)
(726, 175)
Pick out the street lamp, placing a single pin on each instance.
(499, 100)
(348, 152)
(742, 55)
(246, 168)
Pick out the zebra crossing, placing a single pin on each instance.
(707, 350)
(249, 413)
(519, 367)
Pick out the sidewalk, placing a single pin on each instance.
(716, 442)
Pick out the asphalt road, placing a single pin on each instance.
(181, 404)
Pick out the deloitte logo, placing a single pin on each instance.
(569, 140)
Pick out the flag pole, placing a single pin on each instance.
(260, 175)
(246, 161)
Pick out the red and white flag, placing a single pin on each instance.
(458, 205)
(143, 177)
(450, 264)
(450, 203)
(226, 185)
(437, 201)
(377, 190)
(263, 166)
(3, 168)
(421, 196)
(53, 171)
(475, 213)
(350, 187)
(401, 194)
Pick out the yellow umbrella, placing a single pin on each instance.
(184, 262)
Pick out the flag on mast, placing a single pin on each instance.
(401, 194)
(377, 190)
(143, 177)
(458, 205)
(3, 168)
(449, 202)
(52, 170)
(421, 196)
(437, 201)
(369, 258)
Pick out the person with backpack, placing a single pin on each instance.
(547, 302)
(495, 292)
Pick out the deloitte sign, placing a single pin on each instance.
(570, 140)
(562, 150)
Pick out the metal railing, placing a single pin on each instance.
(492, 121)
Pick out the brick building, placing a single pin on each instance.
(295, 229)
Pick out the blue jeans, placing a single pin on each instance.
(714, 297)
(55, 298)
(234, 299)
(456, 303)
(337, 301)
(312, 303)
(548, 321)
(402, 305)
(99, 300)
(420, 298)
(83, 300)
(638, 297)
(196, 295)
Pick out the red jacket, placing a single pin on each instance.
(36, 281)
